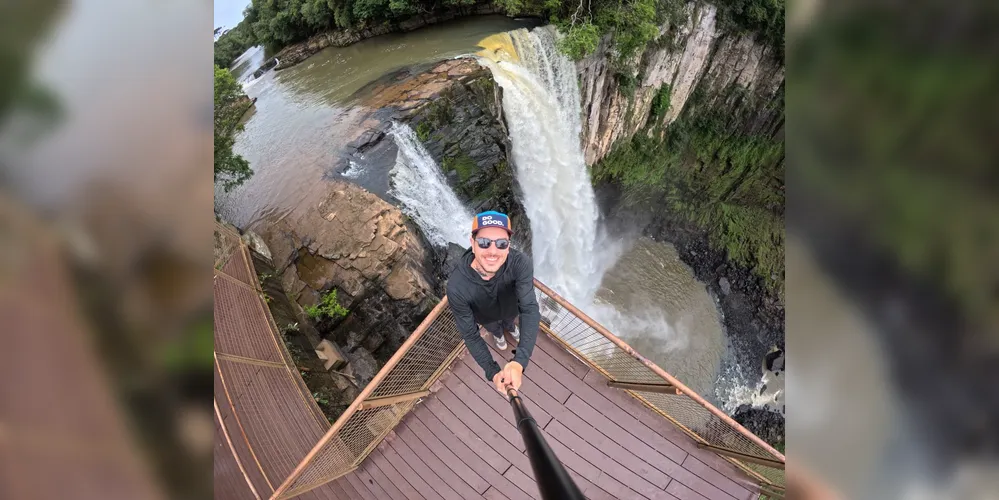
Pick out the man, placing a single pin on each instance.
(490, 286)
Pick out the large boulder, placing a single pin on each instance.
(365, 249)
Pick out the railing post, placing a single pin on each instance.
(657, 388)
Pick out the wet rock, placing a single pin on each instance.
(766, 424)
(725, 286)
(362, 247)
(363, 366)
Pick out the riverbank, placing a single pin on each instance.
(298, 52)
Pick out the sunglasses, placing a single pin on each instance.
(501, 244)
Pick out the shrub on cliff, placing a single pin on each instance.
(230, 104)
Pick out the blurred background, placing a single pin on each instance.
(105, 248)
(893, 221)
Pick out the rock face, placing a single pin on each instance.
(359, 245)
(692, 56)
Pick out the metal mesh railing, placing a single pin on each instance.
(623, 367)
(405, 378)
(269, 421)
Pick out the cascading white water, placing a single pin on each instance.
(542, 110)
(417, 182)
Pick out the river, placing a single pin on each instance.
(306, 113)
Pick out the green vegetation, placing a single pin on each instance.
(233, 43)
(660, 103)
(626, 83)
(230, 104)
(461, 163)
(707, 169)
(327, 308)
(423, 130)
(765, 18)
(633, 23)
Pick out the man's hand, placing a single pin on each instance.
(500, 382)
(513, 373)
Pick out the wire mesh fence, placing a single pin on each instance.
(419, 363)
(610, 356)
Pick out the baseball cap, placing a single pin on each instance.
(491, 219)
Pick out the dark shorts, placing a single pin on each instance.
(496, 328)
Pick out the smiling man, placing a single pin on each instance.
(491, 285)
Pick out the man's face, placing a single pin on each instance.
(490, 259)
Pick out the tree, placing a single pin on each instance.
(230, 104)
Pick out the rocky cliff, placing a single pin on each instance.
(365, 249)
(690, 56)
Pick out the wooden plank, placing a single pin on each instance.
(360, 487)
(393, 476)
(446, 443)
(558, 353)
(335, 489)
(463, 480)
(376, 489)
(453, 426)
(501, 424)
(525, 483)
(496, 400)
(607, 464)
(630, 452)
(716, 478)
(682, 492)
(348, 489)
(387, 484)
(590, 472)
(431, 475)
(479, 427)
(639, 441)
(403, 467)
(663, 427)
(612, 411)
(493, 494)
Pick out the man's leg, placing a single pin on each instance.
(510, 326)
(496, 329)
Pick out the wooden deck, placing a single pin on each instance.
(461, 442)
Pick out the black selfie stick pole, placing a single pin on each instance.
(553, 481)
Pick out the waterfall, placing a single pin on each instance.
(419, 185)
(542, 110)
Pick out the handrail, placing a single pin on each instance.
(680, 386)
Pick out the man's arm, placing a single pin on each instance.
(470, 333)
(530, 315)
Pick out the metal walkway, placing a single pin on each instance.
(429, 426)
(461, 442)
